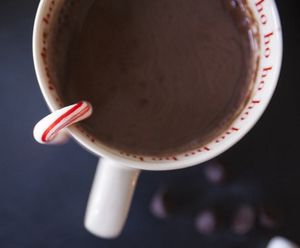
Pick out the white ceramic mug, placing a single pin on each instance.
(117, 172)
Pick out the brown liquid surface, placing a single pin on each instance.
(163, 76)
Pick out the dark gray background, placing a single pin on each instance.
(43, 190)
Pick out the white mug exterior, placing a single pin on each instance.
(110, 198)
(270, 36)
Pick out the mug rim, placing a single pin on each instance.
(136, 161)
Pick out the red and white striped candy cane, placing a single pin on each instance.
(49, 130)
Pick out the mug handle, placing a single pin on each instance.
(110, 198)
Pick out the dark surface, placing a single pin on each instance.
(43, 190)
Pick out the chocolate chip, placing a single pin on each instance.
(205, 222)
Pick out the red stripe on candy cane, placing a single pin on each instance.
(69, 122)
(72, 115)
(59, 119)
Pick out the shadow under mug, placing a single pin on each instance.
(117, 172)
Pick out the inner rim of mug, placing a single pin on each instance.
(48, 10)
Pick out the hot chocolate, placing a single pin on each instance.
(163, 76)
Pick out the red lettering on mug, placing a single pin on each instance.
(267, 38)
(261, 85)
(267, 52)
(260, 8)
(259, 5)
(45, 20)
(266, 71)
(263, 19)
(267, 42)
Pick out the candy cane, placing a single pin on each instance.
(49, 129)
